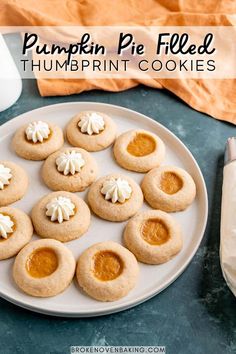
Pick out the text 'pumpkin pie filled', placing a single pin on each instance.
(154, 237)
(115, 197)
(168, 188)
(139, 150)
(61, 215)
(44, 268)
(107, 271)
(37, 140)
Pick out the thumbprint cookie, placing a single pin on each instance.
(107, 271)
(139, 150)
(61, 215)
(37, 140)
(154, 237)
(13, 183)
(168, 188)
(16, 231)
(92, 131)
(115, 197)
(69, 169)
(44, 268)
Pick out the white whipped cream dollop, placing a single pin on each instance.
(5, 176)
(37, 131)
(91, 123)
(6, 225)
(70, 162)
(116, 189)
(60, 209)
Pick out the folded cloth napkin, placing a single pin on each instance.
(214, 97)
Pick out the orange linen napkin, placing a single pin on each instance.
(214, 97)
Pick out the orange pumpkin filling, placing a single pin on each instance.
(107, 265)
(42, 263)
(155, 232)
(141, 145)
(171, 183)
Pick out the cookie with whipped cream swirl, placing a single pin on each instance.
(115, 197)
(16, 231)
(61, 215)
(13, 183)
(69, 169)
(37, 140)
(92, 131)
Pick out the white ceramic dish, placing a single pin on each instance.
(153, 279)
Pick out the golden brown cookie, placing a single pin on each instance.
(154, 237)
(115, 197)
(61, 215)
(107, 271)
(92, 131)
(16, 231)
(44, 268)
(169, 188)
(37, 140)
(13, 183)
(139, 150)
(69, 169)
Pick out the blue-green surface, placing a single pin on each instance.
(194, 315)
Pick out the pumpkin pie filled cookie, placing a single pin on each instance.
(16, 231)
(13, 183)
(139, 150)
(154, 237)
(168, 188)
(61, 215)
(115, 197)
(69, 169)
(37, 140)
(44, 268)
(92, 131)
(107, 271)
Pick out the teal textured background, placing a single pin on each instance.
(196, 314)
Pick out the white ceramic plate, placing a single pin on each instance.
(153, 279)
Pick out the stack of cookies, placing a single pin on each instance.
(106, 271)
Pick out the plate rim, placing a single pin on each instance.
(114, 308)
